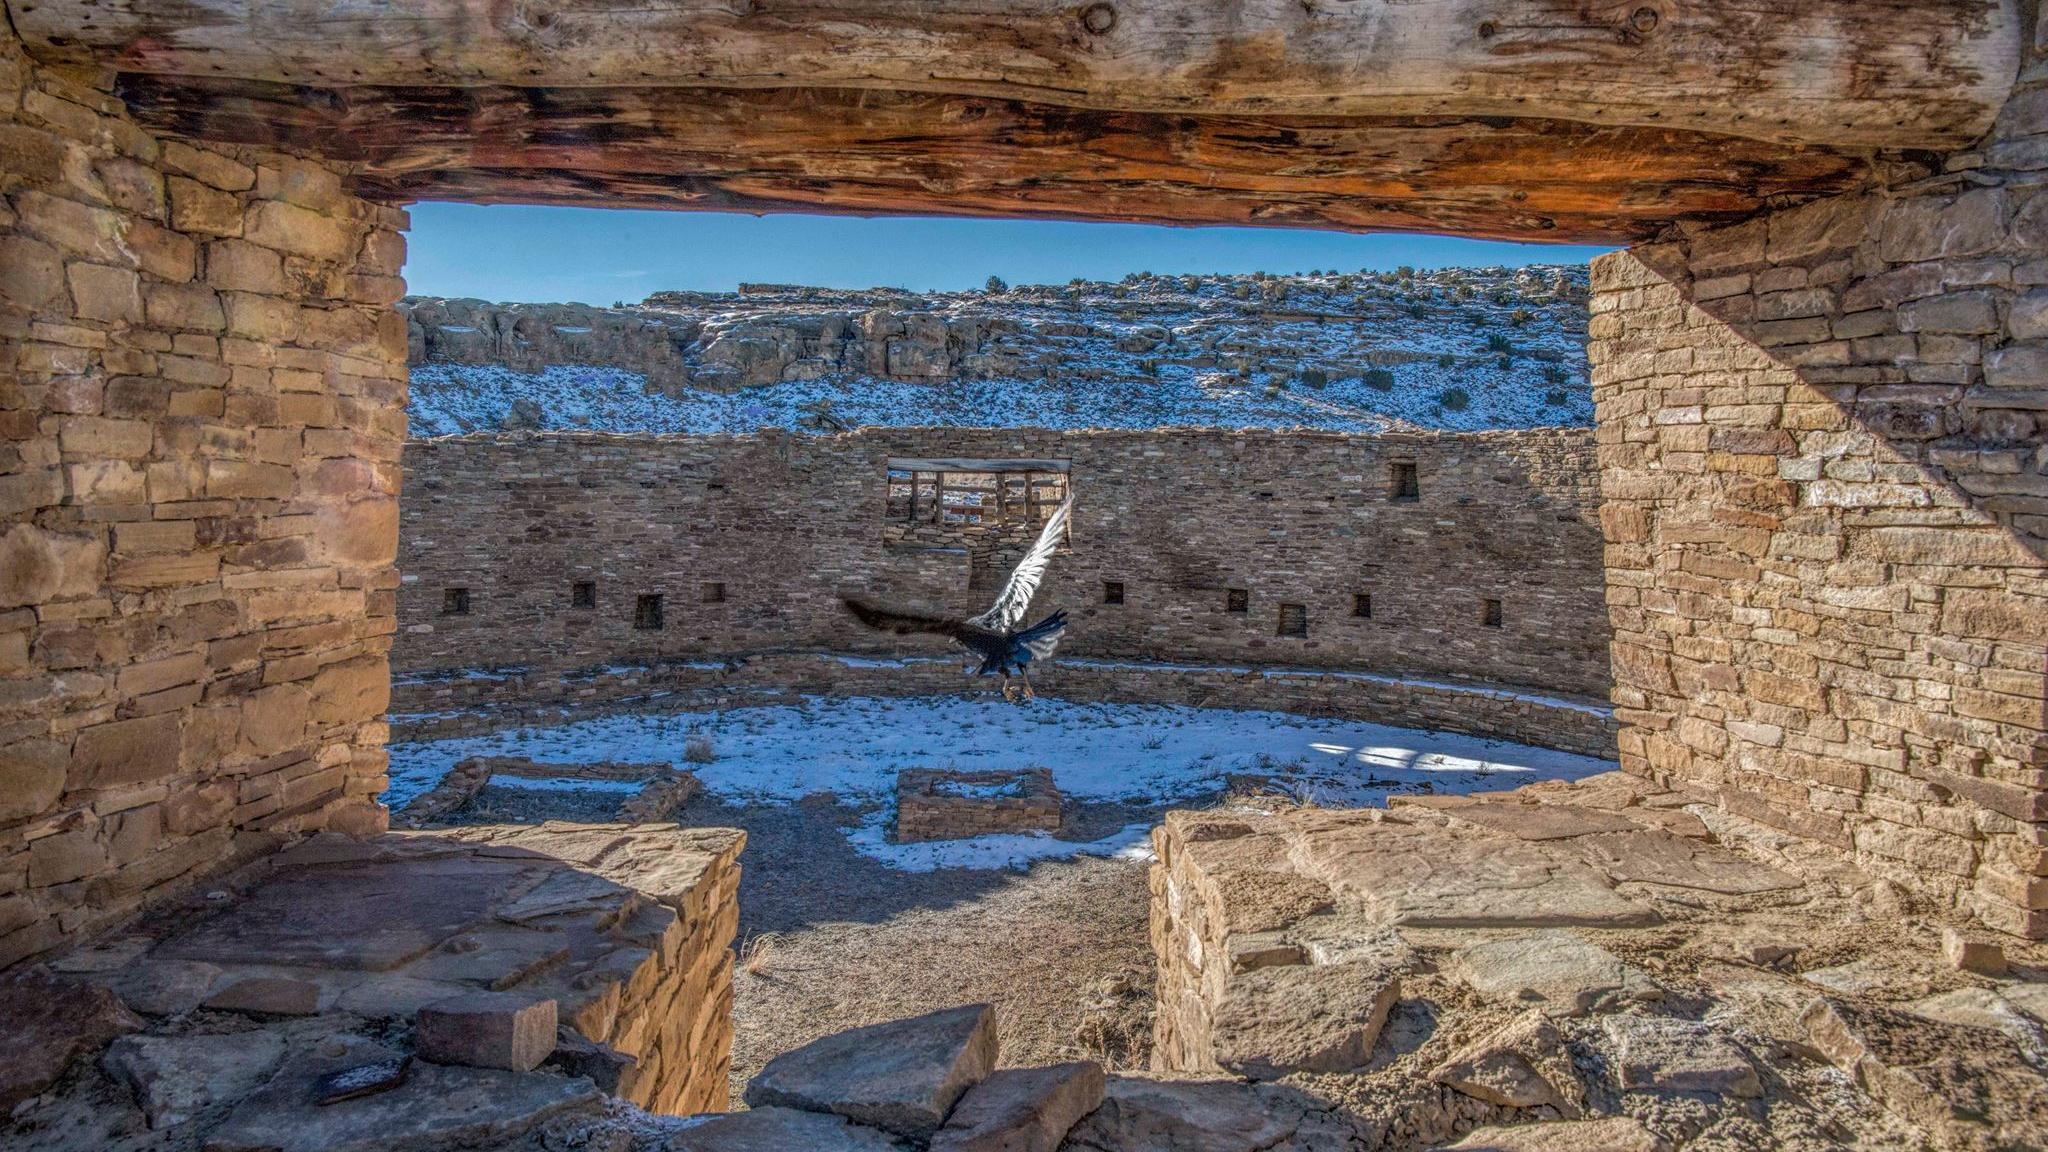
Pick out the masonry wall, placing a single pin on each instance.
(1824, 448)
(787, 524)
(201, 409)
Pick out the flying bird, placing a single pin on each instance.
(1004, 648)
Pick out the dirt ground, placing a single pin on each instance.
(830, 939)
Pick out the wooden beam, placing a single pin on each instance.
(877, 153)
(1927, 74)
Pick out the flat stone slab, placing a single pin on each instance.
(177, 1078)
(367, 917)
(47, 1021)
(1671, 1055)
(1660, 857)
(1181, 1115)
(903, 1076)
(778, 1130)
(436, 1106)
(1303, 1018)
(1614, 1134)
(1558, 969)
(1426, 875)
(1532, 821)
(1022, 1109)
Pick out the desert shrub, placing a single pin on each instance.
(1314, 377)
(1521, 316)
(1496, 342)
(1554, 374)
(699, 750)
(1379, 379)
(1241, 291)
(1417, 309)
(995, 284)
(1405, 272)
(1445, 360)
(1454, 399)
(1555, 397)
(1273, 390)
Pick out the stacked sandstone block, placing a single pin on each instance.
(666, 1001)
(202, 389)
(938, 804)
(1827, 518)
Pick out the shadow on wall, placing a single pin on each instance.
(1826, 509)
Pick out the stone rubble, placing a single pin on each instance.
(903, 1076)
(486, 1030)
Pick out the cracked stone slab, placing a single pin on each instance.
(48, 1022)
(1671, 1055)
(1022, 1109)
(1182, 1115)
(1303, 1018)
(903, 1076)
(1521, 1065)
(1558, 969)
(436, 1107)
(177, 1078)
(1433, 876)
(369, 917)
(1532, 821)
(1659, 857)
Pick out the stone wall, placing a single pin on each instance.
(1824, 449)
(752, 540)
(201, 409)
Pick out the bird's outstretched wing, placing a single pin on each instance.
(903, 623)
(1015, 600)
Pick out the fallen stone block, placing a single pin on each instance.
(1668, 1055)
(487, 1030)
(779, 1130)
(1558, 969)
(47, 1022)
(1972, 953)
(903, 1076)
(1522, 1065)
(658, 800)
(605, 1066)
(176, 1078)
(1022, 1109)
(1302, 1018)
(1613, 1134)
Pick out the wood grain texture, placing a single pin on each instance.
(862, 152)
(1924, 74)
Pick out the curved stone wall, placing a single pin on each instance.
(534, 555)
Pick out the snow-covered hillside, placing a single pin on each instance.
(1455, 348)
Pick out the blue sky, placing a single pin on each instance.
(596, 256)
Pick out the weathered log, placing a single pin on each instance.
(849, 151)
(1859, 73)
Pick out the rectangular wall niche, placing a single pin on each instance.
(647, 612)
(713, 592)
(583, 594)
(1489, 613)
(1402, 483)
(1237, 600)
(1112, 591)
(1361, 605)
(968, 502)
(1293, 620)
(454, 601)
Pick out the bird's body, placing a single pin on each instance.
(994, 636)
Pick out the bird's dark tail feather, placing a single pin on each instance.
(1045, 627)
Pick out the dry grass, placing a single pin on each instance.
(699, 750)
(756, 952)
